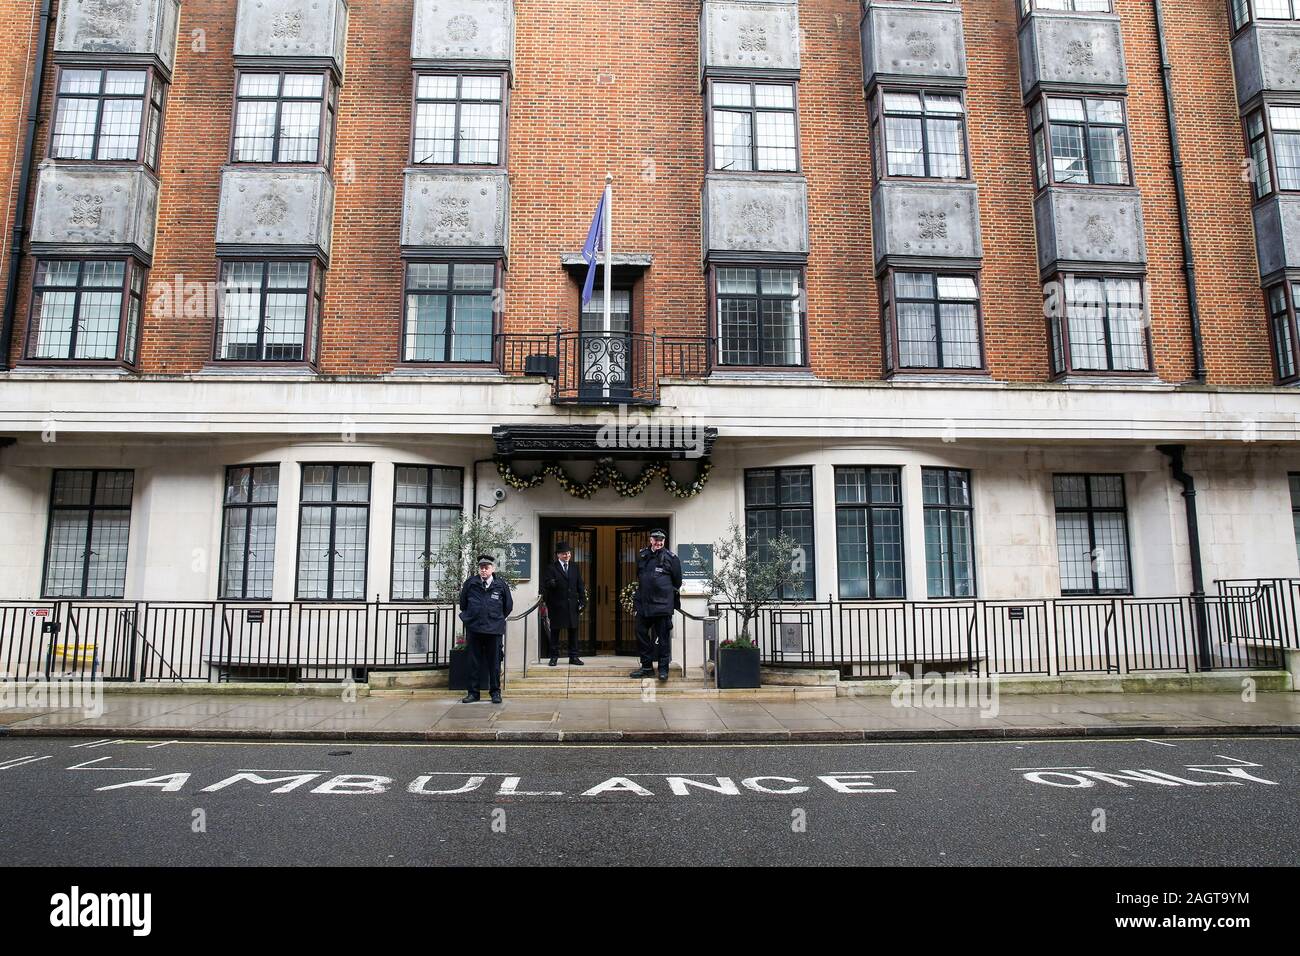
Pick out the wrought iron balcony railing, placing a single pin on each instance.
(605, 368)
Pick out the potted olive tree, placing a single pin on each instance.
(746, 576)
(454, 562)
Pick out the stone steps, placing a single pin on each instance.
(630, 690)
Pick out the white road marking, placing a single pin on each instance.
(1159, 743)
(93, 743)
(20, 761)
(163, 744)
(1051, 768)
(87, 765)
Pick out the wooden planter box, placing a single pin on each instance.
(737, 667)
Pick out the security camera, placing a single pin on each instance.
(499, 494)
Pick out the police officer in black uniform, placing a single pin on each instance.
(659, 578)
(485, 603)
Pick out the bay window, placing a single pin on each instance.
(458, 119)
(1098, 324)
(1080, 141)
(85, 311)
(755, 127)
(919, 134)
(760, 316)
(450, 312)
(932, 321)
(283, 118)
(107, 115)
(267, 311)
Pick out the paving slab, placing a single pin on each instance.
(296, 717)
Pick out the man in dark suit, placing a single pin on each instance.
(565, 599)
(485, 603)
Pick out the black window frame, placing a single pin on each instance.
(1058, 325)
(716, 298)
(245, 508)
(1241, 14)
(880, 118)
(325, 129)
(1091, 510)
(129, 320)
(1267, 136)
(889, 312)
(427, 507)
(1038, 113)
(153, 106)
(314, 291)
(503, 113)
(753, 111)
(946, 510)
(90, 508)
(333, 504)
(810, 576)
(1293, 484)
(870, 507)
(1289, 289)
(495, 294)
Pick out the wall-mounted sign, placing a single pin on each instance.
(254, 615)
(697, 561)
(518, 563)
(1015, 614)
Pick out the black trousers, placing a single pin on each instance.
(484, 648)
(556, 643)
(654, 639)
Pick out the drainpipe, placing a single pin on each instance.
(1175, 455)
(1180, 187)
(474, 483)
(24, 184)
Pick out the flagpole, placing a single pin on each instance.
(609, 246)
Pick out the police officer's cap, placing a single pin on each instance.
(658, 533)
(486, 559)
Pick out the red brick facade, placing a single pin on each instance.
(593, 93)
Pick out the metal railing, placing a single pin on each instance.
(219, 641)
(1250, 624)
(1247, 629)
(604, 368)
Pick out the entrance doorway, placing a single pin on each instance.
(604, 550)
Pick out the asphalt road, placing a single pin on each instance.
(1202, 801)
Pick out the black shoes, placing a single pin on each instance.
(496, 697)
(553, 662)
(663, 671)
(469, 699)
(642, 672)
(574, 660)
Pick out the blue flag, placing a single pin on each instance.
(595, 236)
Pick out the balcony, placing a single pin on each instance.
(303, 32)
(477, 33)
(1067, 51)
(456, 209)
(140, 31)
(1085, 226)
(901, 43)
(755, 214)
(749, 35)
(286, 211)
(1277, 235)
(924, 221)
(111, 208)
(604, 368)
(1266, 59)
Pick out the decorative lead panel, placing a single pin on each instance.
(1090, 227)
(1266, 58)
(907, 42)
(753, 214)
(1063, 51)
(262, 206)
(926, 220)
(95, 206)
(293, 29)
(446, 208)
(142, 28)
(749, 35)
(1277, 235)
(463, 30)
